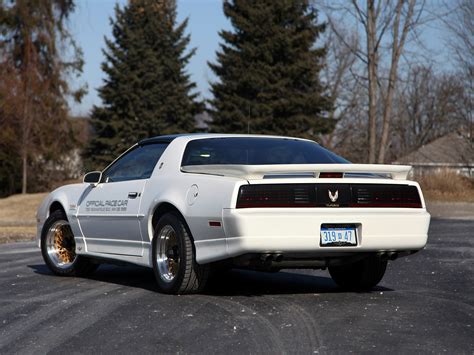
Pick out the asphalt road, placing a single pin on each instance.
(424, 304)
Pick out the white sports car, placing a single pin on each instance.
(187, 204)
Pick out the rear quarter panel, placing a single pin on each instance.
(199, 198)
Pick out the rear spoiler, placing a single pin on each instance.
(256, 172)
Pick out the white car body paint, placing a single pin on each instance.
(204, 195)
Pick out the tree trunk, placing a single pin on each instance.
(24, 160)
(372, 77)
(25, 134)
(386, 118)
(397, 47)
(24, 143)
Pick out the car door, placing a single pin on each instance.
(109, 213)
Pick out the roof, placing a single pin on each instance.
(451, 149)
(171, 137)
(161, 139)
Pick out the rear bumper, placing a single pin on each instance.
(291, 231)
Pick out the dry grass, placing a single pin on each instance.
(447, 186)
(17, 217)
(20, 209)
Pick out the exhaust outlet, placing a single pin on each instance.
(383, 255)
(392, 255)
(278, 258)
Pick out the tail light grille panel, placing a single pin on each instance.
(386, 196)
(329, 195)
(277, 195)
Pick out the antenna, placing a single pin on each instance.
(248, 122)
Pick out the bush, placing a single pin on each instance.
(447, 186)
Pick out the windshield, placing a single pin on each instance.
(257, 151)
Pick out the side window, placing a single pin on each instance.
(136, 164)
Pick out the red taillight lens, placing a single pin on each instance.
(281, 195)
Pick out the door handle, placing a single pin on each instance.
(132, 194)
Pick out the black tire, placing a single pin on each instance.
(189, 276)
(362, 275)
(78, 265)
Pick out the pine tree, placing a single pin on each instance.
(147, 91)
(268, 70)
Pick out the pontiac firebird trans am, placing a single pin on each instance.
(185, 205)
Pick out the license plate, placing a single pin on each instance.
(338, 236)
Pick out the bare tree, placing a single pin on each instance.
(461, 27)
(427, 106)
(348, 93)
(10, 101)
(385, 27)
(337, 77)
(32, 46)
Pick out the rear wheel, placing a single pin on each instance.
(362, 275)
(59, 248)
(174, 263)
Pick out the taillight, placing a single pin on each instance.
(385, 196)
(277, 195)
(329, 195)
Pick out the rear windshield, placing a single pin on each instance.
(257, 151)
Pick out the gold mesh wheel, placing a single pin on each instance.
(60, 245)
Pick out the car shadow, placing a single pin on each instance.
(253, 283)
(128, 275)
(230, 283)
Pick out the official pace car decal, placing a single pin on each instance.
(106, 206)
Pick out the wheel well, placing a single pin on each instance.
(161, 210)
(55, 206)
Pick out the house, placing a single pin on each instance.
(453, 152)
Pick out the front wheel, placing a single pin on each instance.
(362, 275)
(59, 248)
(174, 263)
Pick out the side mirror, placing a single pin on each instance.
(93, 177)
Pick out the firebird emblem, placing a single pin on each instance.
(334, 197)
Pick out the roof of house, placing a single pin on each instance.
(451, 149)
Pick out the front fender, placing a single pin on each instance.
(68, 197)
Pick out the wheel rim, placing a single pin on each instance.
(60, 245)
(167, 256)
